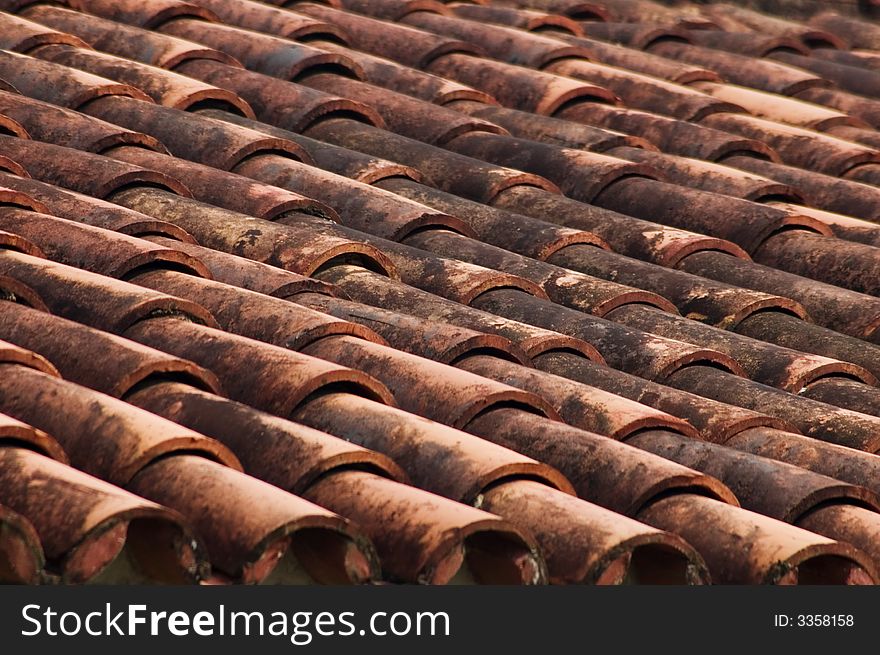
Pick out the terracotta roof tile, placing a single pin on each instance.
(170, 387)
(83, 523)
(741, 69)
(579, 174)
(452, 402)
(604, 471)
(802, 553)
(470, 465)
(552, 130)
(525, 19)
(858, 58)
(626, 234)
(518, 87)
(46, 122)
(441, 342)
(21, 549)
(814, 419)
(840, 309)
(286, 454)
(74, 244)
(866, 109)
(16, 433)
(556, 227)
(829, 459)
(582, 406)
(253, 530)
(10, 241)
(846, 393)
(370, 288)
(358, 166)
(776, 489)
(271, 55)
(584, 543)
(117, 446)
(434, 539)
(520, 234)
(576, 10)
(247, 273)
(743, 222)
(461, 175)
(6, 86)
(20, 35)
(264, 386)
(867, 136)
(12, 289)
(845, 227)
(670, 135)
(271, 20)
(822, 191)
(91, 211)
(154, 48)
(779, 108)
(65, 167)
(165, 87)
(767, 363)
(849, 523)
(402, 79)
(636, 10)
(716, 421)
(647, 93)
(294, 241)
(566, 287)
(798, 147)
(404, 115)
(301, 107)
(718, 178)
(12, 354)
(731, 17)
(12, 127)
(259, 200)
(635, 33)
(93, 299)
(100, 361)
(220, 144)
(695, 297)
(506, 44)
(636, 60)
(786, 330)
(407, 45)
(859, 34)
(45, 80)
(631, 350)
(785, 252)
(143, 14)
(750, 44)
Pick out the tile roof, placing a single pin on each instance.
(365, 291)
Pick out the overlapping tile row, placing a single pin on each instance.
(533, 284)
